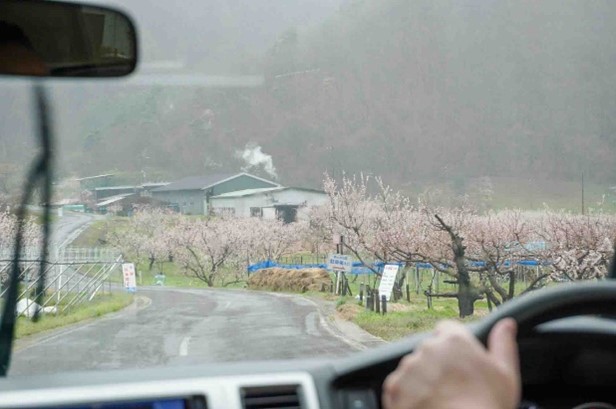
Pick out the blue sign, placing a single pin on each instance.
(340, 262)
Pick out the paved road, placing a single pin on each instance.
(183, 326)
(66, 228)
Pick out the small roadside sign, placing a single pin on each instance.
(340, 263)
(388, 279)
(130, 280)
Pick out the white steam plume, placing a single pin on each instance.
(254, 156)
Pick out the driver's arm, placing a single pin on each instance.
(454, 370)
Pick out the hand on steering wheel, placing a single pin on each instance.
(454, 370)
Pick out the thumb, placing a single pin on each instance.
(502, 344)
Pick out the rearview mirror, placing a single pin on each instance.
(55, 39)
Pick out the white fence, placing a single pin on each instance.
(72, 275)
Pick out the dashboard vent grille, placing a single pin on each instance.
(272, 397)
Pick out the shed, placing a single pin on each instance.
(192, 195)
(286, 203)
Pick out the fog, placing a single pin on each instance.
(432, 95)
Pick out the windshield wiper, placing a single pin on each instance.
(40, 171)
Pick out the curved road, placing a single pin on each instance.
(66, 228)
(183, 326)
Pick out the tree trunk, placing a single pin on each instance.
(467, 294)
(492, 299)
(152, 260)
(511, 285)
(466, 303)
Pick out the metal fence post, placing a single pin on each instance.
(346, 288)
(417, 279)
(337, 283)
(384, 304)
(377, 304)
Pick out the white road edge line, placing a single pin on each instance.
(184, 346)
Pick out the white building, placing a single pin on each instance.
(286, 203)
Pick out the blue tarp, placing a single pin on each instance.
(359, 268)
(260, 265)
(269, 264)
(423, 265)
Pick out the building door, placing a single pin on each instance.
(287, 213)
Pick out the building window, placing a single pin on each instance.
(256, 212)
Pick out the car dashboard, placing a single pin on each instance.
(565, 364)
(179, 388)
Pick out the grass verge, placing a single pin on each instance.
(403, 319)
(174, 277)
(101, 305)
(93, 236)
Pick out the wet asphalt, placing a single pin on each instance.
(168, 327)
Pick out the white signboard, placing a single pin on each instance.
(130, 281)
(339, 262)
(388, 279)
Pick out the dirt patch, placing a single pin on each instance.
(348, 311)
(282, 279)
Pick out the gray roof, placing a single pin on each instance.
(204, 182)
(95, 177)
(113, 199)
(251, 192)
(194, 182)
(154, 184)
(122, 187)
(248, 192)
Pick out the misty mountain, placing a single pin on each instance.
(443, 89)
(411, 90)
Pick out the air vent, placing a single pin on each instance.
(272, 397)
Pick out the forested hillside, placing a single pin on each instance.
(416, 91)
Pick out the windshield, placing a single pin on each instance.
(290, 179)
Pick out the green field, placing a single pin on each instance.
(101, 305)
(533, 193)
(536, 194)
(398, 324)
(403, 317)
(174, 277)
(94, 235)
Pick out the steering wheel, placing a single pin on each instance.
(548, 304)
